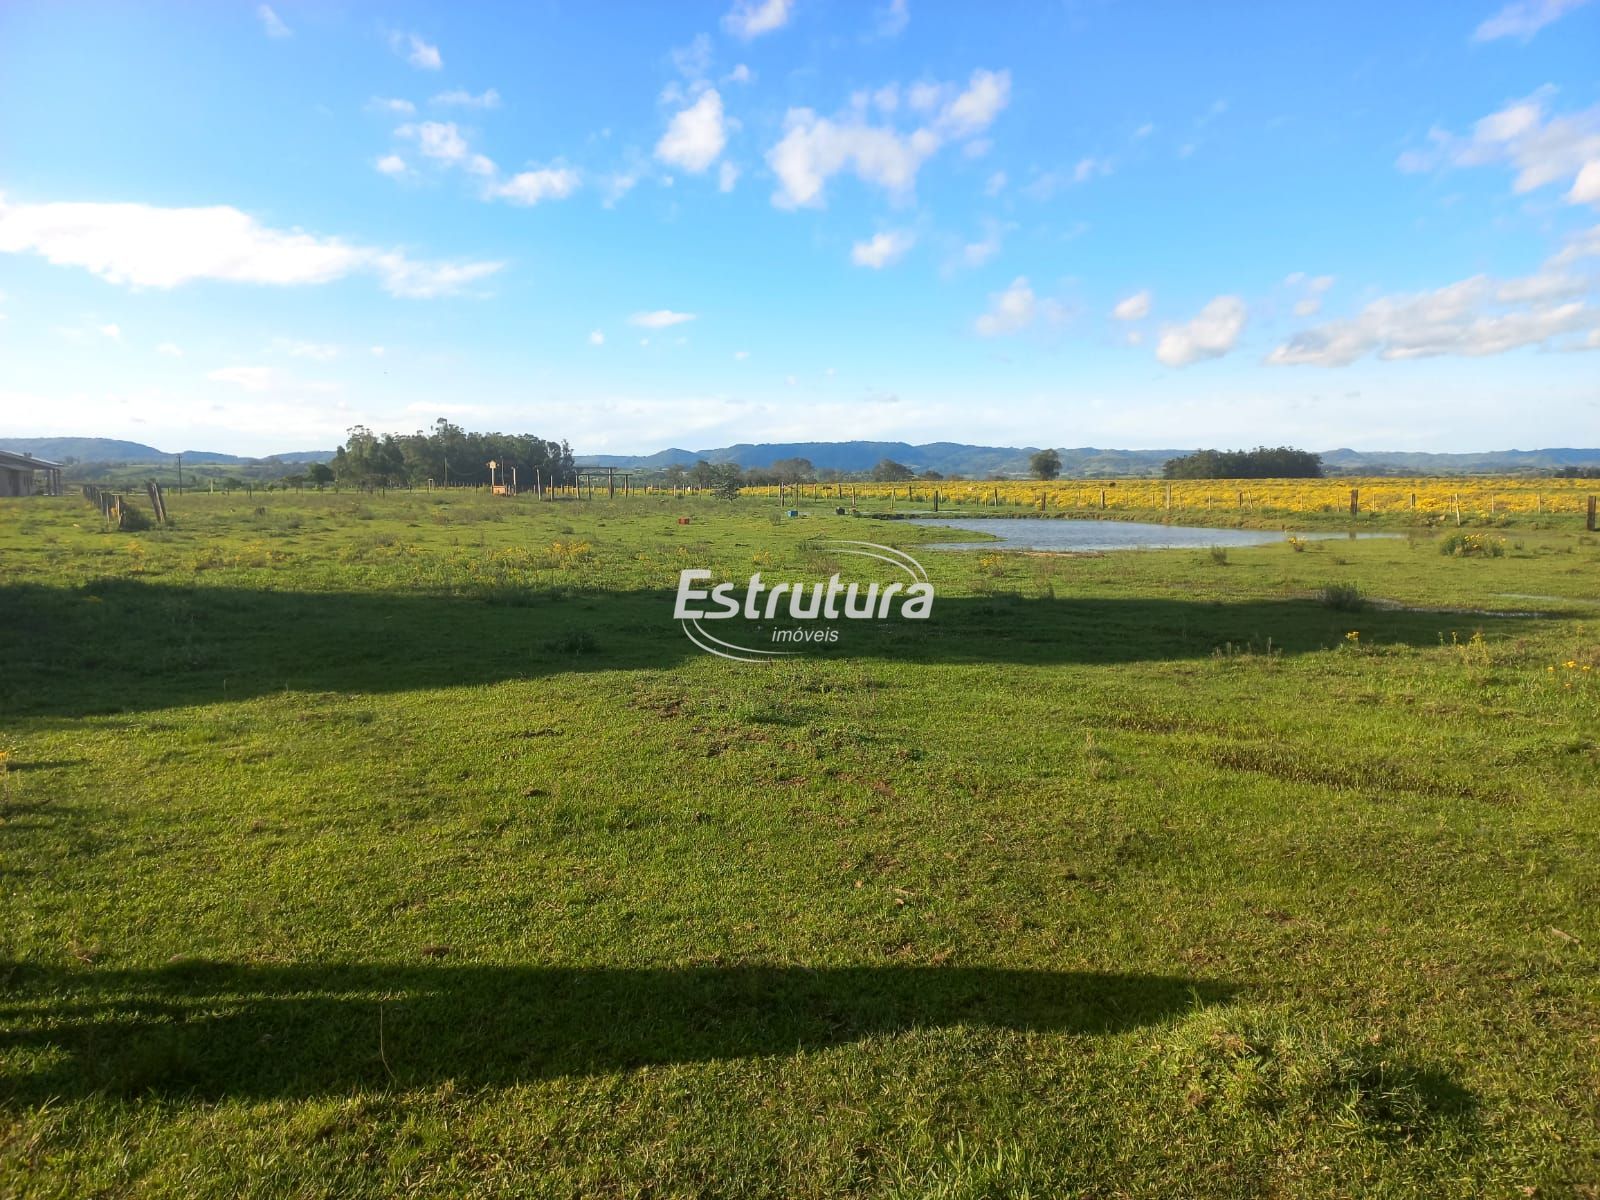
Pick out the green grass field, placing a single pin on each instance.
(404, 845)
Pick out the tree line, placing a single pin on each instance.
(1264, 462)
(448, 454)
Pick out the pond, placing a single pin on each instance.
(1024, 533)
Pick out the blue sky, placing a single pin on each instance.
(247, 227)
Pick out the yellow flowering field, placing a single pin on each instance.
(1475, 497)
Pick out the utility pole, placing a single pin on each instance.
(180, 474)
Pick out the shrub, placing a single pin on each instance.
(1472, 545)
(1342, 597)
(573, 641)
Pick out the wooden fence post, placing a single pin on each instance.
(1591, 514)
(1355, 502)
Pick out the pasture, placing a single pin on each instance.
(403, 845)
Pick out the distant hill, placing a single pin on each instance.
(1403, 462)
(948, 458)
(1084, 462)
(111, 450)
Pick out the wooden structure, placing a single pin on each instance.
(19, 475)
(610, 476)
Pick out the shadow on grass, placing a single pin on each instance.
(213, 1030)
(120, 645)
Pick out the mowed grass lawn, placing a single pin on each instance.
(403, 845)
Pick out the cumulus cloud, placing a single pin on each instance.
(974, 109)
(695, 136)
(443, 142)
(272, 23)
(661, 318)
(416, 51)
(1133, 308)
(169, 350)
(147, 246)
(814, 149)
(530, 187)
(391, 105)
(1541, 150)
(1212, 333)
(597, 338)
(976, 254)
(882, 249)
(1524, 18)
(1470, 318)
(1311, 289)
(751, 18)
(460, 98)
(893, 18)
(727, 177)
(1586, 187)
(1016, 309)
(392, 165)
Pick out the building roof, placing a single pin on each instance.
(25, 462)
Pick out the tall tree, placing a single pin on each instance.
(1045, 464)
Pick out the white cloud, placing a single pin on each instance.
(1523, 18)
(976, 254)
(924, 96)
(693, 61)
(882, 249)
(741, 355)
(740, 74)
(1311, 289)
(661, 318)
(442, 142)
(696, 135)
(727, 176)
(1211, 334)
(390, 104)
(114, 332)
(1541, 151)
(1088, 168)
(418, 53)
(1586, 187)
(392, 165)
(597, 338)
(530, 187)
(460, 98)
(975, 109)
(1133, 308)
(893, 18)
(377, 351)
(438, 140)
(814, 149)
(617, 185)
(272, 23)
(170, 350)
(146, 246)
(317, 351)
(1470, 318)
(751, 18)
(1144, 130)
(1015, 309)
(251, 379)
(995, 184)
